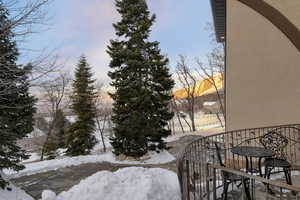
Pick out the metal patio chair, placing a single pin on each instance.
(277, 142)
(229, 178)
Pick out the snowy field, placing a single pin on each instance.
(49, 165)
(134, 183)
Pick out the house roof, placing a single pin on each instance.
(219, 15)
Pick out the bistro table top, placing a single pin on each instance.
(251, 151)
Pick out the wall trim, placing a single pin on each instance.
(277, 19)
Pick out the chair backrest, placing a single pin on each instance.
(275, 141)
(219, 155)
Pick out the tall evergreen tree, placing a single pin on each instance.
(142, 83)
(81, 139)
(16, 104)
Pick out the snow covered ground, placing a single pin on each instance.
(15, 193)
(134, 183)
(33, 157)
(49, 165)
(176, 137)
(36, 133)
(99, 146)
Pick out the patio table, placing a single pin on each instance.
(250, 152)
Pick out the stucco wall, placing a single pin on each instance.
(290, 8)
(263, 68)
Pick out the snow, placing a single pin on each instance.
(48, 195)
(177, 136)
(209, 103)
(71, 118)
(99, 146)
(134, 183)
(50, 165)
(15, 194)
(204, 131)
(36, 133)
(33, 157)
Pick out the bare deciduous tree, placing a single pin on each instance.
(188, 81)
(54, 99)
(27, 17)
(214, 67)
(103, 112)
(177, 112)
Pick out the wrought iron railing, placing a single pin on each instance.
(283, 190)
(199, 180)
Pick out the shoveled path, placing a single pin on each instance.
(63, 179)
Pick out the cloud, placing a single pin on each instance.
(85, 27)
(92, 17)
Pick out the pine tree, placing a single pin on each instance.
(142, 83)
(80, 139)
(16, 104)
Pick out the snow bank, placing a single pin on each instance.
(134, 183)
(49, 165)
(32, 157)
(15, 193)
(48, 195)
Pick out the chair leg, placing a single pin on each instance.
(266, 171)
(287, 173)
(288, 178)
(246, 188)
(225, 190)
(267, 175)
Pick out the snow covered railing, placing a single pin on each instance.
(195, 176)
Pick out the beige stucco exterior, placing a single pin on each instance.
(262, 68)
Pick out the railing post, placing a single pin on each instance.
(207, 181)
(214, 184)
(188, 179)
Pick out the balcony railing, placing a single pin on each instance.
(200, 173)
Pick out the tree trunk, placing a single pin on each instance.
(47, 138)
(173, 126)
(188, 124)
(101, 131)
(179, 120)
(192, 118)
(220, 120)
(193, 123)
(174, 105)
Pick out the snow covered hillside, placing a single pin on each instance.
(134, 183)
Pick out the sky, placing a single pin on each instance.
(85, 27)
